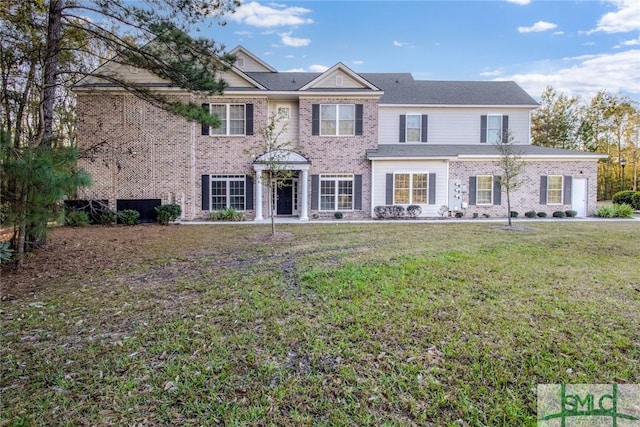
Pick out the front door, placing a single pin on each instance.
(284, 198)
(579, 197)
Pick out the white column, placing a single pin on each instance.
(304, 215)
(258, 207)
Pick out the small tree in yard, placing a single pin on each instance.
(511, 166)
(276, 151)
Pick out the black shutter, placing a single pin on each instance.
(389, 189)
(483, 128)
(358, 119)
(315, 120)
(567, 189)
(497, 190)
(472, 190)
(403, 128)
(543, 190)
(248, 111)
(206, 192)
(248, 192)
(505, 128)
(315, 190)
(425, 123)
(357, 192)
(432, 188)
(205, 127)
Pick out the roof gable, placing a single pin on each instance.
(248, 62)
(339, 77)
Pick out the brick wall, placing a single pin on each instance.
(527, 196)
(340, 154)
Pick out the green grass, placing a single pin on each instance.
(339, 324)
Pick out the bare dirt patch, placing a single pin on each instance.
(81, 252)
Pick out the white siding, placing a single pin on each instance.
(382, 167)
(234, 80)
(291, 132)
(453, 125)
(330, 81)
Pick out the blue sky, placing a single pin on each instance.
(578, 47)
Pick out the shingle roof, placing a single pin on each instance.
(448, 151)
(402, 88)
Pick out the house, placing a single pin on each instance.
(358, 140)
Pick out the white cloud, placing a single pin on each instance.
(625, 19)
(615, 72)
(287, 40)
(632, 42)
(318, 68)
(357, 62)
(296, 70)
(558, 33)
(520, 2)
(400, 44)
(275, 15)
(492, 73)
(538, 27)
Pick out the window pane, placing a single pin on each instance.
(345, 195)
(218, 195)
(236, 119)
(347, 119)
(221, 112)
(484, 189)
(328, 112)
(554, 190)
(236, 195)
(327, 195)
(413, 127)
(494, 129)
(419, 192)
(401, 188)
(328, 116)
(328, 128)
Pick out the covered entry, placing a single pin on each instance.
(291, 196)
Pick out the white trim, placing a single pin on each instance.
(346, 70)
(492, 195)
(411, 173)
(561, 190)
(520, 106)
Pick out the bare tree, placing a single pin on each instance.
(511, 166)
(277, 151)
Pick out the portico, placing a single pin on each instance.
(284, 160)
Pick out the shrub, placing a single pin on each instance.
(107, 217)
(229, 214)
(485, 215)
(623, 197)
(541, 214)
(514, 214)
(338, 215)
(389, 212)
(623, 210)
(530, 214)
(414, 211)
(76, 218)
(605, 212)
(475, 215)
(444, 209)
(459, 214)
(571, 214)
(380, 211)
(635, 200)
(5, 251)
(167, 213)
(558, 214)
(128, 216)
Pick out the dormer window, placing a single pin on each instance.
(240, 61)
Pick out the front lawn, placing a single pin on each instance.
(327, 324)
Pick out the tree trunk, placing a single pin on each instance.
(50, 78)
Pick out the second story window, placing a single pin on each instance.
(232, 118)
(414, 133)
(337, 119)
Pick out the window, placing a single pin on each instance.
(484, 190)
(232, 118)
(228, 191)
(283, 113)
(414, 128)
(494, 129)
(336, 192)
(554, 189)
(410, 188)
(337, 119)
